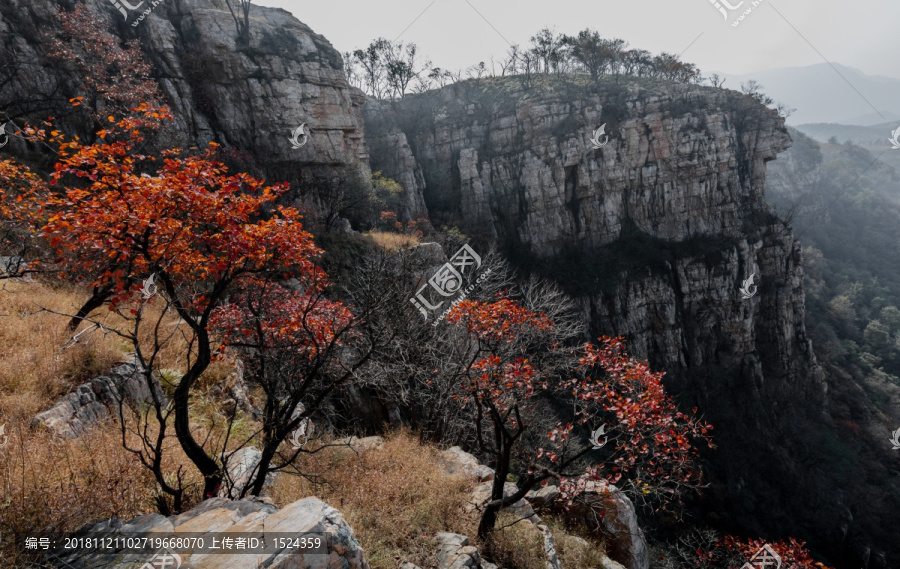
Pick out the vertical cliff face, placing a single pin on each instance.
(246, 96)
(654, 234)
(662, 224)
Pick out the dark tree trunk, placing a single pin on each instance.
(263, 469)
(211, 471)
(98, 297)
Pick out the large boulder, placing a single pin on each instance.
(241, 468)
(522, 510)
(217, 515)
(454, 552)
(93, 400)
(610, 514)
(457, 461)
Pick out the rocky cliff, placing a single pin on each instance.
(250, 97)
(679, 189)
(654, 233)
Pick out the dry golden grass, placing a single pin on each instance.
(38, 363)
(54, 484)
(392, 242)
(394, 498)
(34, 369)
(48, 483)
(575, 551)
(516, 544)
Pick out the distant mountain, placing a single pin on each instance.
(873, 119)
(874, 135)
(820, 95)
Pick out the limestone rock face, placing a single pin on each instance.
(619, 525)
(94, 400)
(250, 97)
(681, 181)
(653, 234)
(609, 511)
(217, 515)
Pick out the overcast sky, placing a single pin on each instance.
(777, 33)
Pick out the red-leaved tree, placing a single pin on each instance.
(21, 190)
(119, 218)
(649, 443)
(793, 552)
(298, 346)
(116, 83)
(735, 551)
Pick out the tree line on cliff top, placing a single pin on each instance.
(388, 69)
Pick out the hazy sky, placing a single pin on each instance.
(777, 33)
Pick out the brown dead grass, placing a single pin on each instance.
(38, 361)
(49, 483)
(575, 551)
(55, 484)
(516, 544)
(392, 242)
(34, 370)
(394, 498)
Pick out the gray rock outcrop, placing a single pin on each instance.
(242, 466)
(250, 97)
(454, 552)
(456, 460)
(216, 515)
(608, 513)
(94, 400)
(653, 234)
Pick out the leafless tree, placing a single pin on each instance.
(241, 17)
(716, 80)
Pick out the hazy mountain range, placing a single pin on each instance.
(821, 94)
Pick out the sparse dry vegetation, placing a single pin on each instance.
(39, 362)
(34, 367)
(517, 544)
(392, 242)
(575, 551)
(51, 484)
(395, 498)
